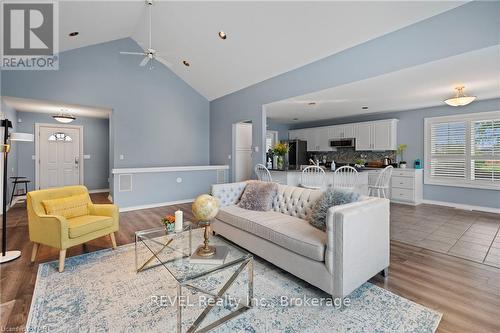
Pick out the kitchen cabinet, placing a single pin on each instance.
(407, 186)
(345, 131)
(299, 134)
(377, 135)
(318, 139)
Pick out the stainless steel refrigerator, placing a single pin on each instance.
(297, 154)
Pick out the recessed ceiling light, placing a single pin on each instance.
(187, 64)
(295, 119)
(364, 107)
(73, 34)
(222, 35)
(311, 103)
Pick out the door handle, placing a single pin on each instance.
(76, 162)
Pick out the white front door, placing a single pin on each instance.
(243, 152)
(59, 156)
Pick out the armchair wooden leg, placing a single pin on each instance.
(62, 256)
(34, 252)
(113, 240)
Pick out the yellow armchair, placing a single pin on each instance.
(61, 229)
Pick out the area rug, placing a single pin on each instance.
(101, 292)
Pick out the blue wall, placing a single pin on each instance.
(438, 37)
(281, 128)
(158, 119)
(95, 144)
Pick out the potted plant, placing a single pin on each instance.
(280, 150)
(400, 151)
(169, 222)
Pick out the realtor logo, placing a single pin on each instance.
(29, 35)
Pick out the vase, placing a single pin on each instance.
(281, 162)
(170, 227)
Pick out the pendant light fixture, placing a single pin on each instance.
(460, 98)
(63, 117)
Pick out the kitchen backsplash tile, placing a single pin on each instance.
(350, 155)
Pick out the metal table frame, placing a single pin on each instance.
(241, 263)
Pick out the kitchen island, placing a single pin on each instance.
(292, 177)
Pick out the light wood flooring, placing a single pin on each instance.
(466, 292)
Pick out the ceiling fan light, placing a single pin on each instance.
(460, 98)
(64, 118)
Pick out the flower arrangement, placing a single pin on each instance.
(400, 151)
(169, 222)
(280, 149)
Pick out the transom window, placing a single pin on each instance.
(463, 150)
(59, 136)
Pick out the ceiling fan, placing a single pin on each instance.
(149, 54)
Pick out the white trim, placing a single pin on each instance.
(37, 150)
(170, 169)
(462, 206)
(155, 205)
(467, 183)
(102, 190)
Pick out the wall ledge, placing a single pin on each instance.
(170, 169)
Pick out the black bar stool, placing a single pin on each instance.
(19, 180)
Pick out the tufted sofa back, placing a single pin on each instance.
(291, 200)
(295, 201)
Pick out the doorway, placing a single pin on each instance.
(242, 151)
(59, 153)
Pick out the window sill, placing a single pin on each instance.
(461, 184)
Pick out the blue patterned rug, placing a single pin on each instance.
(101, 292)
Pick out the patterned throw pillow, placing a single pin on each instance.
(331, 197)
(258, 195)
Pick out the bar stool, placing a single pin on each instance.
(19, 180)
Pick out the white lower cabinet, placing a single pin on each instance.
(407, 186)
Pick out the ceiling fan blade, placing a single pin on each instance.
(163, 61)
(144, 61)
(134, 53)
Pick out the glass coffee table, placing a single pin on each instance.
(172, 250)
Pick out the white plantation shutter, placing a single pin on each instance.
(463, 150)
(448, 150)
(485, 150)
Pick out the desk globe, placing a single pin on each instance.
(205, 208)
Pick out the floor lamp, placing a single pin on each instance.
(5, 149)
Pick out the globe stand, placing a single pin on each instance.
(206, 250)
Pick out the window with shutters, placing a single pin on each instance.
(463, 150)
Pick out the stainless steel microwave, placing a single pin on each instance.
(342, 143)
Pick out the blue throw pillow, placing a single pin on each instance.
(331, 197)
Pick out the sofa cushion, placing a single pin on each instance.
(258, 195)
(295, 201)
(292, 233)
(68, 207)
(82, 225)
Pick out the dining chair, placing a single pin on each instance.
(345, 178)
(382, 184)
(313, 177)
(263, 173)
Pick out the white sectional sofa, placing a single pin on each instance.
(354, 248)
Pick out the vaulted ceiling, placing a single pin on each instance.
(264, 39)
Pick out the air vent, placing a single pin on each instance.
(221, 176)
(125, 183)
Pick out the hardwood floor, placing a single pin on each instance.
(467, 293)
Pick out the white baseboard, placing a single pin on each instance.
(462, 206)
(159, 204)
(102, 190)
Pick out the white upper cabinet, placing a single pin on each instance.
(364, 136)
(384, 135)
(377, 135)
(345, 131)
(370, 135)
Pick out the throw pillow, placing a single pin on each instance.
(258, 195)
(68, 207)
(331, 197)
